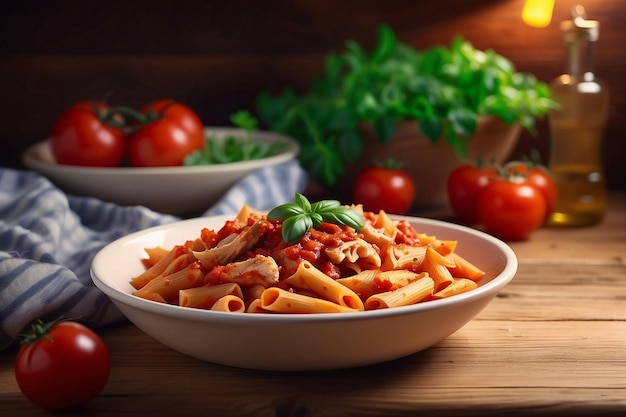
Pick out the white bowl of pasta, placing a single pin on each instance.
(197, 296)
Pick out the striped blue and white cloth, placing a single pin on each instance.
(48, 239)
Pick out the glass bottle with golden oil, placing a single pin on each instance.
(576, 129)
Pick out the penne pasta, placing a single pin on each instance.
(437, 267)
(155, 255)
(464, 269)
(374, 281)
(458, 286)
(364, 283)
(255, 306)
(444, 247)
(278, 300)
(168, 286)
(310, 278)
(403, 296)
(176, 258)
(229, 303)
(207, 295)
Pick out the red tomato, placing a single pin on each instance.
(464, 186)
(175, 133)
(80, 136)
(539, 176)
(182, 115)
(388, 189)
(63, 367)
(511, 208)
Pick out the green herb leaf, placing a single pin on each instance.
(295, 227)
(300, 216)
(234, 149)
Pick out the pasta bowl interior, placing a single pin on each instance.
(299, 342)
(179, 190)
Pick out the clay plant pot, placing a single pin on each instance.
(430, 164)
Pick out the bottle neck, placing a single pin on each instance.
(580, 59)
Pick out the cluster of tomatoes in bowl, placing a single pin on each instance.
(92, 133)
(510, 201)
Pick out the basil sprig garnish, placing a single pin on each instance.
(300, 216)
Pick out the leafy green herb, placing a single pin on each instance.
(234, 149)
(300, 216)
(445, 88)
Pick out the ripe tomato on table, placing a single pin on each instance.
(62, 365)
(384, 187)
(511, 207)
(171, 132)
(465, 183)
(87, 134)
(539, 176)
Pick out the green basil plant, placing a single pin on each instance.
(446, 89)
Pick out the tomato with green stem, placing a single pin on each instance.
(384, 187)
(511, 207)
(62, 365)
(167, 132)
(88, 133)
(541, 177)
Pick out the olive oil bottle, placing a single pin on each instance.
(576, 129)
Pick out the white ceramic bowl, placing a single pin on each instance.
(284, 342)
(174, 190)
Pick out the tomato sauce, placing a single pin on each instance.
(311, 247)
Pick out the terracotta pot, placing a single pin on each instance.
(430, 164)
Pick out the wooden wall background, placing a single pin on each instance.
(216, 56)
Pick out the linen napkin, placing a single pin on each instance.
(48, 240)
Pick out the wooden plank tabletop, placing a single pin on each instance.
(552, 343)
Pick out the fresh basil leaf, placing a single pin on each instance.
(385, 127)
(345, 216)
(294, 228)
(463, 121)
(285, 211)
(431, 127)
(303, 202)
(325, 206)
(386, 44)
(300, 216)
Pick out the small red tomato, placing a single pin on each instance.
(541, 177)
(384, 188)
(511, 208)
(63, 365)
(86, 135)
(172, 132)
(182, 115)
(464, 186)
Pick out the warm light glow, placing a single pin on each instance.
(537, 13)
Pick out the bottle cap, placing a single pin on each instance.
(580, 26)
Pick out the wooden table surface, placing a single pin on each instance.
(552, 343)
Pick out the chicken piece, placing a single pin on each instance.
(230, 247)
(260, 270)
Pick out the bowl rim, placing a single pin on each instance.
(492, 287)
(31, 158)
